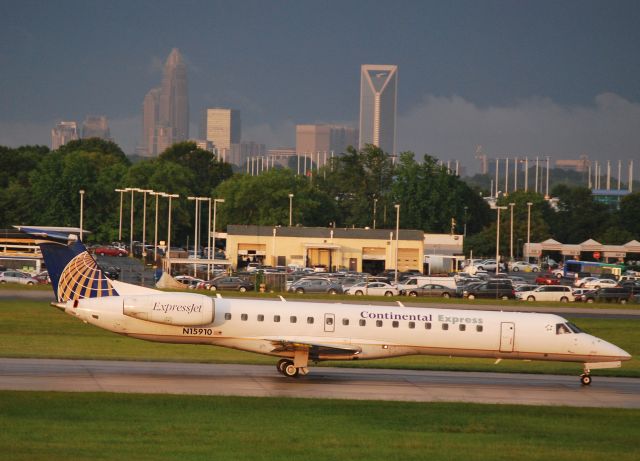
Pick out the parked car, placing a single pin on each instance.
(431, 290)
(315, 285)
(525, 287)
(372, 288)
(546, 279)
(580, 281)
(600, 283)
(42, 278)
(581, 293)
(493, 289)
(189, 281)
(524, 266)
(611, 294)
(110, 251)
(559, 293)
(230, 283)
(11, 276)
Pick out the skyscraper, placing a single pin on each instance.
(166, 109)
(325, 138)
(222, 127)
(63, 133)
(378, 101)
(96, 126)
(174, 97)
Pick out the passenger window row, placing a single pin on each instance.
(361, 322)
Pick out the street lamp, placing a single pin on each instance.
(498, 239)
(215, 203)
(464, 233)
(168, 253)
(120, 227)
(528, 227)
(290, 211)
(81, 210)
(397, 206)
(375, 202)
(511, 240)
(132, 190)
(144, 220)
(155, 232)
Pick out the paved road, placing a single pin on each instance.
(338, 383)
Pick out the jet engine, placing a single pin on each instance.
(180, 309)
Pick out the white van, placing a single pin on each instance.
(415, 282)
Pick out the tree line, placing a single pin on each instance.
(357, 189)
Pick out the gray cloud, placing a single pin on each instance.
(451, 128)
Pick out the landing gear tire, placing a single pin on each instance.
(291, 371)
(585, 379)
(282, 364)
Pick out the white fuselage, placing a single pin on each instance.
(348, 331)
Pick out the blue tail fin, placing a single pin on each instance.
(73, 271)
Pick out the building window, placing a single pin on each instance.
(244, 317)
(227, 315)
(412, 325)
(293, 319)
(395, 324)
(260, 318)
(276, 318)
(445, 326)
(363, 322)
(378, 323)
(310, 320)
(427, 326)
(345, 322)
(479, 328)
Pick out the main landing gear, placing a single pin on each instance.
(287, 368)
(585, 378)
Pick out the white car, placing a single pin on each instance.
(559, 293)
(580, 282)
(372, 288)
(524, 266)
(600, 283)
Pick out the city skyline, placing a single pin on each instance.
(536, 82)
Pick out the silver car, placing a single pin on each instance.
(17, 277)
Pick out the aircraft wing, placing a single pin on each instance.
(316, 346)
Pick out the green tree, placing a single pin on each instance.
(630, 214)
(579, 216)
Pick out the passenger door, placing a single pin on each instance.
(507, 336)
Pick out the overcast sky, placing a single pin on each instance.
(558, 78)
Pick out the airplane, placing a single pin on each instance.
(304, 332)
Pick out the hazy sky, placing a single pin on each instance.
(555, 78)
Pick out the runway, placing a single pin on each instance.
(322, 382)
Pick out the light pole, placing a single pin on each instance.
(498, 239)
(464, 233)
(397, 206)
(290, 212)
(511, 205)
(120, 227)
(168, 252)
(144, 220)
(375, 202)
(155, 232)
(215, 203)
(528, 228)
(132, 190)
(81, 211)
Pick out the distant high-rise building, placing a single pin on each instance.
(166, 109)
(63, 133)
(378, 102)
(150, 121)
(96, 126)
(222, 127)
(325, 138)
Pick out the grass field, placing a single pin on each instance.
(35, 329)
(65, 426)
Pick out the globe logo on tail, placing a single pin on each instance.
(82, 278)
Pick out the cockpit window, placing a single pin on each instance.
(562, 329)
(574, 328)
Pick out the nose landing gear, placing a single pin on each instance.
(585, 378)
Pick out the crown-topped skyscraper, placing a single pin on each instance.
(378, 99)
(166, 109)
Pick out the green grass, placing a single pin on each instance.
(35, 329)
(70, 426)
